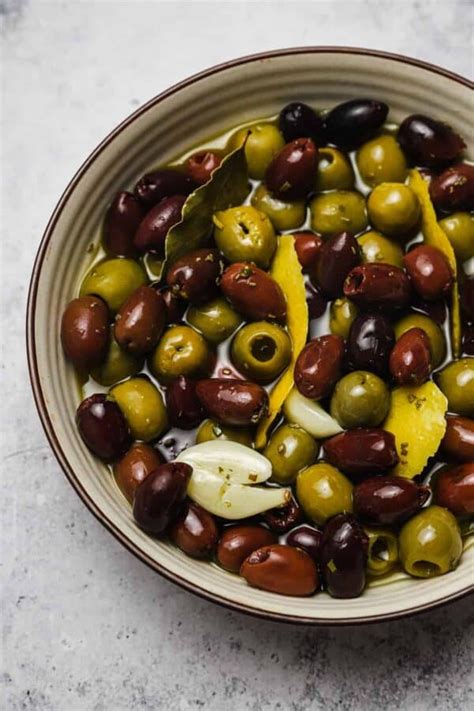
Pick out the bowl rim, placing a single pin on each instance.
(32, 354)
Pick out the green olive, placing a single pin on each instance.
(381, 160)
(338, 211)
(394, 209)
(216, 320)
(334, 171)
(180, 351)
(341, 315)
(210, 430)
(430, 543)
(290, 449)
(322, 492)
(382, 554)
(456, 381)
(377, 248)
(244, 234)
(263, 143)
(118, 365)
(142, 406)
(360, 399)
(459, 229)
(433, 331)
(261, 351)
(283, 215)
(113, 280)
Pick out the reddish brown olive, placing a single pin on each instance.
(371, 338)
(317, 303)
(184, 407)
(428, 142)
(387, 500)
(280, 520)
(151, 234)
(308, 539)
(238, 542)
(159, 184)
(308, 247)
(339, 254)
(134, 467)
(160, 497)
(195, 276)
(281, 569)
(430, 272)
(253, 293)
(140, 321)
(378, 285)
(290, 175)
(201, 165)
(458, 440)
(362, 452)
(103, 427)
(195, 531)
(121, 223)
(85, 331)
(343, 556)
(453, 488)
(318, 366)
(351, 123)
(410, 359)
(454, 189)
(233, 402)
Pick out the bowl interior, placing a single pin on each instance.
(164, 128)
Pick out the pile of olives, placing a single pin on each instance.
(194, 355)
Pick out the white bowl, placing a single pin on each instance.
(185, 115)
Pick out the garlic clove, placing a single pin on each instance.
(310, 415)
(231, 460)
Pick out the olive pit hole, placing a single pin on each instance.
(380, 549)
(263, 348)
(426, 568)
(244, 228)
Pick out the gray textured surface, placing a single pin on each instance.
(85, 625)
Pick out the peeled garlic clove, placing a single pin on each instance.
(231, 460)
(232, 501)
(309, 415)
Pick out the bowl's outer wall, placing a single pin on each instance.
(158, 132)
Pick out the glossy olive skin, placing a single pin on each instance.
(140, 321)
(454, 189)
(388, 500)
(410, 359)
(308, 539)
(377, 248)
(316, 301)
(458, 440)
(428, 142)
(360, 399)
(371, 338)
(216, 320)
(456, 381)
(175, 307)
(459, 229)
(245, 234)
(334, 171)
(261, 351)
(308, 248)
(142, 406)
(151, 234)
(117, 364)
(180, 351)
(381, 160)
(394, 210)
(253, 293)
(435, 334)
(237, 403)
(290, 175)
(298, 120)
(362, 451)
(263, 141)
(430, 272)
(454, 488)
(338, 211)
(318, 366)
(430, 543)
(195, 276)
(122, 220)
(342, 315)
(210, 430)
(159, 184)
(160, 497)
(349, 124)
(435, 310)
(134, 467)
(85, 331)
(195, 531)
(382, 553)
(114, 280)
(378, 285)
(281, 569)
(201, 165)
(338, 256)
(283, 214)
(103, 427)
(238, 542)
(290, 449)
(183, 405)
(323, 491)
(284, 518)
(343, 556)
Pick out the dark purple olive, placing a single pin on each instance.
(160, 497)
(175, 307)
(103, 427)
(195, 276)
(317, 303)
(195, 531)
(290, 175)
(378, 285)
(308, 539)
(454, 189)
(151, 235)
(352, 123)
(298, 120)
(159, 184)
(427, 142)
(371, 338)
(387, 500)
(362, 452)
(343, 556)
(468, 339)
(467, 298)
(338, 256)
(184, 407)
(121, 223)
(280, 520)
(436, 310)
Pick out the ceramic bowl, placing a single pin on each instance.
(182, 116)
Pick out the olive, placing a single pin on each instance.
(308, 539)
(298, 120)
(432, 330)
(318, 366)
(467, 298)
(160, 497)
(114, 280)
(121, 222)
(381, 160)
(382, 553)
(253, 292)
(281, 569)
(334, 171)
(459, 229)
(151, 234)
(210, 430)
(183, 405)
(201, 165)
(435, 310)
(394, 210)
(378, 285)
(195, 276)
(290, 175)
(289, 450)
(134, 467)
(454, 189)
(371, 338)
(458, 440)
(338, 211)
(388, 500)
(282, 519)
(377, 248)
(103, 427)
(238, 542)
(315, 300)
(308, 248)
(85, 331)
(360, 399)
(454, 488)
(339, 254)
(342, 314)
(175, 307)
(323, 491)
(195, 531)
(237, 403)
(283, 214)
(430, 543)
(117, 365)
(343, 556)
(245, 234)
(410, 359)
(181, 351)
(362, 451)
(264, 140)
(216, 320)
(353, 122)
(456, 381)
(140, 321)
(261, 351)
(468, 339)
(430, 272)
(428, 142)
(159, 184)
(142, 406)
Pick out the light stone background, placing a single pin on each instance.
(85, 625)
